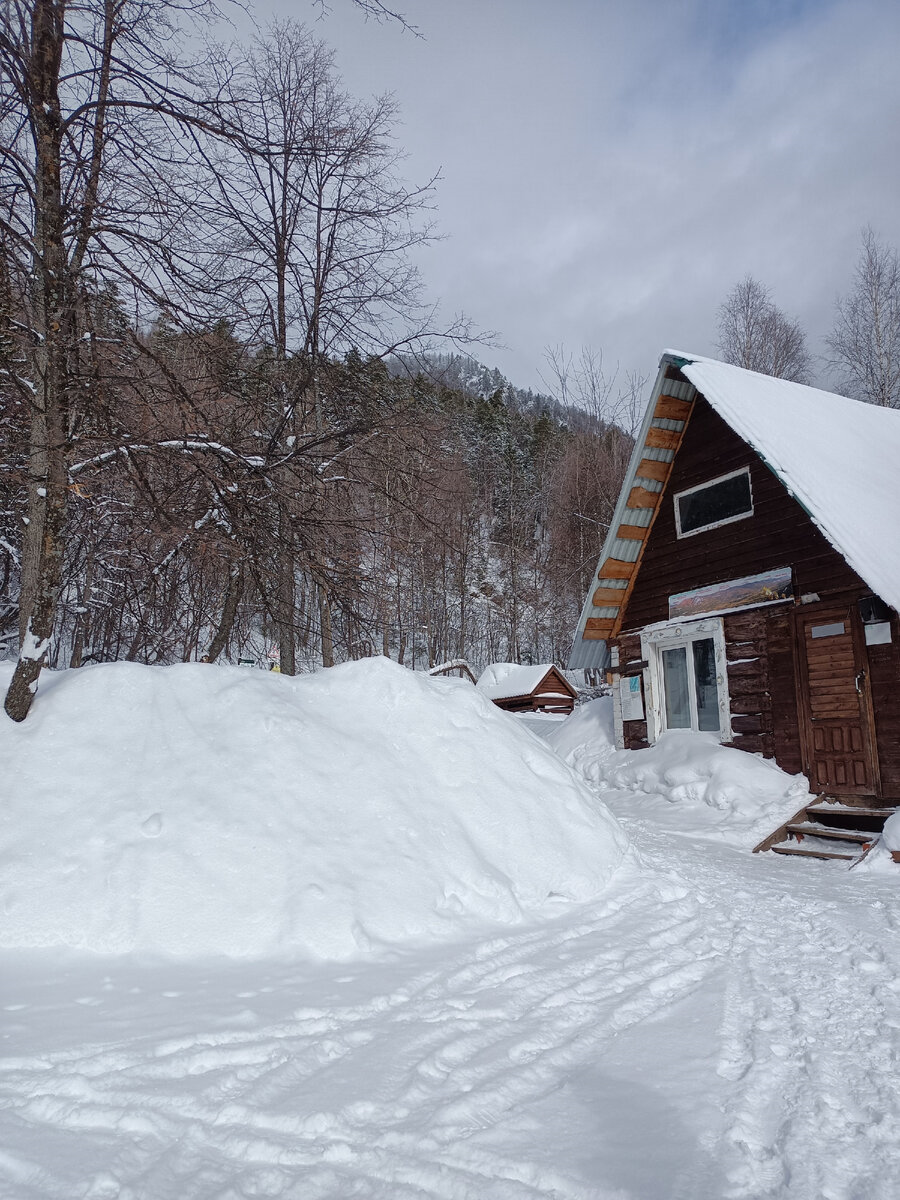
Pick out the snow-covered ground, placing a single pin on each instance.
(706, 1024)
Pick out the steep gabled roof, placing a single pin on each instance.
(839, 458)
(505, 681)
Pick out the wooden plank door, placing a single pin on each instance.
(836, 703)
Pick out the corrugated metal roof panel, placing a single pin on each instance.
(588, 655)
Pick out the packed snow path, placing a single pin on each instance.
(720, 1026)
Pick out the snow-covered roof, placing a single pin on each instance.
(503, 681)
(837, 457)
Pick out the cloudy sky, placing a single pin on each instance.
(610, 168)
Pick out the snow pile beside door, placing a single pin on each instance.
(686, 782)
(200, 810)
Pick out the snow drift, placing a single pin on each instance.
(199, 810)
(687, 782)
(586, 734)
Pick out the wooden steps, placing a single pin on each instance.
(829, 828)
(814, 852)
(802, 829)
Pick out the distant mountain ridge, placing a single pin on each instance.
(463, 373)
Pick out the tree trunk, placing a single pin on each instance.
(82, 618)
(286, 606)
(233, 594)
(327, 635)
(42, 560)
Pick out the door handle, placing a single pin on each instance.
(860, 678)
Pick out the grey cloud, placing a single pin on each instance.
(610, 171)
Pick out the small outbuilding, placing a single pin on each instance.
(749, 586)
(527, 689)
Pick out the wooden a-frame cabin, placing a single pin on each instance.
(749, 586)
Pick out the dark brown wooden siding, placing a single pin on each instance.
(884, 668)
(783, 688)
(779, 534)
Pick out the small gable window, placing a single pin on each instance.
(718, 502)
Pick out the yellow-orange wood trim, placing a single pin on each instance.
(672, 409)
(650, 468)
(640, 497)
(615, 568)
(612, 596)
(636, 533)
(662, 439)
(596, 629)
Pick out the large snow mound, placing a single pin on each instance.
(201, 810)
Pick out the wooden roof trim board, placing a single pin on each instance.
(688, 405)
(633, 533)
(608, 596)
(656, 469)
(654, 453)
(665, 439)
(614, 568)
(598, 629)
(672, 408)
(640, 497)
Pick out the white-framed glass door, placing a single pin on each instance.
(687, 678)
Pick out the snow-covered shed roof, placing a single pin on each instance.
(837, 457)
(503, 681)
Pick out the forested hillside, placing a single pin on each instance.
(404, 517)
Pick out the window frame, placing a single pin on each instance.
(671, 636)
(742, 516)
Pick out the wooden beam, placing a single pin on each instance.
(630, 668)
(672, 409)
(597, 629)
(640, 497)
(636, 533)
(649, 468)
(662, 439)
(611, 596)
(615, 568)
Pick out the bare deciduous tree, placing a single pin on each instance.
(865, 341)
(81, 85)
(101, 128)
(757, 335)
(315, 228)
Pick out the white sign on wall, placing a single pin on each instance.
(631, 698)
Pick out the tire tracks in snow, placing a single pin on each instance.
(421, 1088)
(382, 1095)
